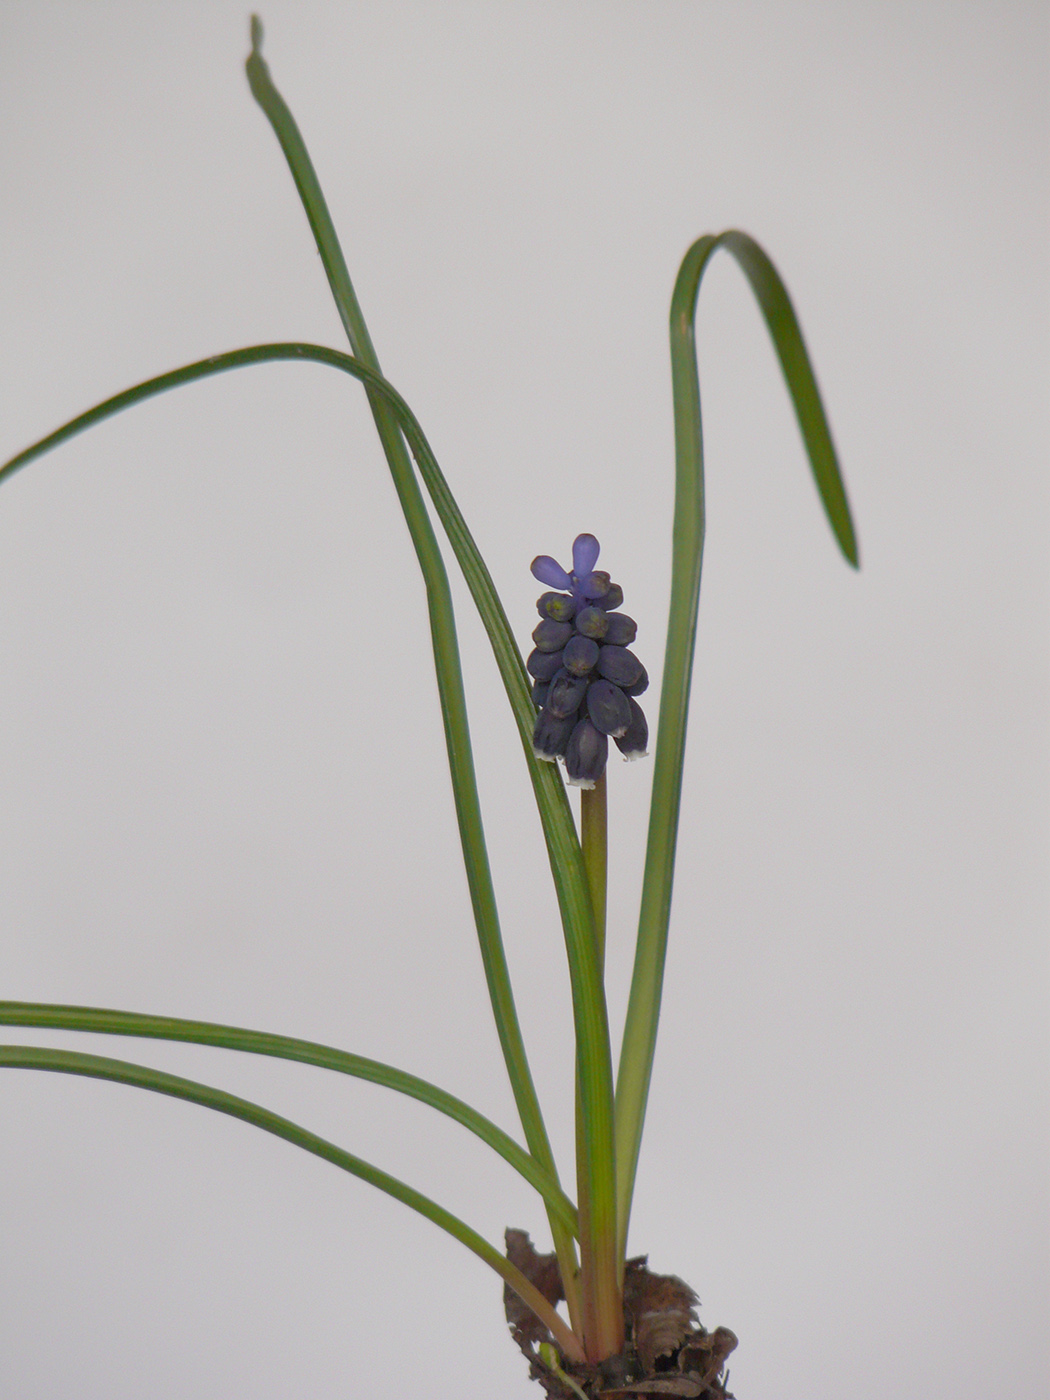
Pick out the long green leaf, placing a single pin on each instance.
(595, 1167)
(639, 1042)
(442, 622)
(446, 651)
(105, 1022)
(592, 1032)
(203, 369)
(142, 1077)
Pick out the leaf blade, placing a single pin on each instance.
(643, 1010)
(563, 847)
(103, 1021)
(443, 631)
(595, 1164)
(797, 368)
(174, 1086)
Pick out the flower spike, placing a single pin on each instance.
(586, 676)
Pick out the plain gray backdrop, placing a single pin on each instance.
(223, 790)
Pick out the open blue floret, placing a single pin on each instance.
(585, 676)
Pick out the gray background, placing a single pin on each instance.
(223, 783)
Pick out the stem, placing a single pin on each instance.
(594, 842)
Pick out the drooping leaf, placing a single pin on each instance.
(101, 1021)
(175, 1086)
(643, 1010)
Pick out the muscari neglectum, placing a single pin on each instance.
(590, 1321)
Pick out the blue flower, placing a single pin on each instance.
(585, 551)
(586, 677)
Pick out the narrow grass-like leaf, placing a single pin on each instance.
(595, 1167)
(786, 335)
(636, 1059)
(105, 1022)
(143, 1077)
(446, 653)
(450, 685)
(592, 1032)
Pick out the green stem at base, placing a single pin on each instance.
(600, 1267)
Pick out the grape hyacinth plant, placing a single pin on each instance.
(591, 1321)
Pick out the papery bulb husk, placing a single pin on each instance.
(667, 1354)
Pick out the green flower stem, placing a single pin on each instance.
(449, 673)
(595, 1163)
(105, 1022)
(594, 842)
(139, 1076)
(639, 1041)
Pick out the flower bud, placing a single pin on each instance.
(566, 694)
(551, 734)
(542, 665)
(618, 665)
(608, 708)
(548, 571)
(633, 744)
(640, 686)
(592, 622)
(559, 606)
(580, 655)
(620, 630)
(585, 551)
(595, 585)
(586, 755)
(550, 635)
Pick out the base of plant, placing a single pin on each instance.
(667, 1352)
